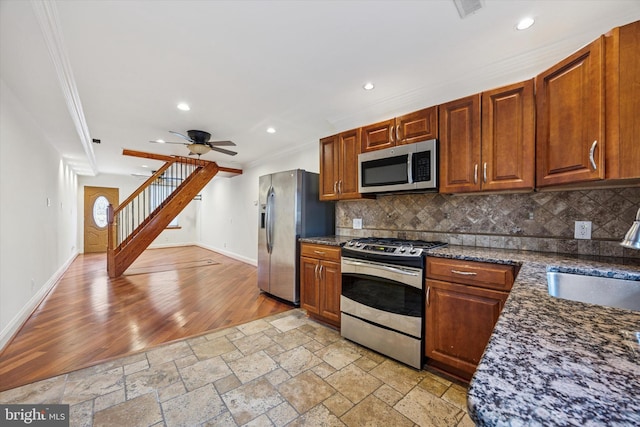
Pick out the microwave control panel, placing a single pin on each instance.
(422, 166)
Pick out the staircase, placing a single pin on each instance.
(136, 223)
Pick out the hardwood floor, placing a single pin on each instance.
(167, 294)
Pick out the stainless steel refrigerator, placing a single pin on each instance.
(289, 209)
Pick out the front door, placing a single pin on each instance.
(96, 200)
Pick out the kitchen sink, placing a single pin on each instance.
(606, 291)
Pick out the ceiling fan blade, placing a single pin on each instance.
(185, 137)
(169, 142)
(222, 143)
(222, 150)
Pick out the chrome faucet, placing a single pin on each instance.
(632, 238)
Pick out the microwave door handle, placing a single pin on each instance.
(410, 168)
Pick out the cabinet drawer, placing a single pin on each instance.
(325, 252)
(482, 274)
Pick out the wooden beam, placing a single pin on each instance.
(165, 158)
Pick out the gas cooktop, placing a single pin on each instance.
(391, 246)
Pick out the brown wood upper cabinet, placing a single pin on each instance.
(417, 126)
(339, 166)
(487, 140)
(570, 119)
(622, 68)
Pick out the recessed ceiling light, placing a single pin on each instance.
(525, 23)
(145, 166)
(368, 86)
(271, 130)
(184, 106)
(161, 141)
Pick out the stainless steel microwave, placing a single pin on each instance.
(405, 167)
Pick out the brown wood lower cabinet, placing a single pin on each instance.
(320, 282)
(461, 313)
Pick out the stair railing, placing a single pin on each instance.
(148, 198)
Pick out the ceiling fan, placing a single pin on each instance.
(198, 143)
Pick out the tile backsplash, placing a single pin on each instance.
(541, 221)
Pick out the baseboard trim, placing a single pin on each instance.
(229, 254)
(14, 325)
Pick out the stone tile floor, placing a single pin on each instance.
(281, 370)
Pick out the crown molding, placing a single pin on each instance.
(47, 16)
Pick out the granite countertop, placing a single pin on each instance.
(327, 240)
(550, 361)
(555, 362)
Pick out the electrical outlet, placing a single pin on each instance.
(583, 230)
(357, 223)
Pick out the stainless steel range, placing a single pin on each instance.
(382, 301)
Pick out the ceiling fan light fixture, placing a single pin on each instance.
(199, 148)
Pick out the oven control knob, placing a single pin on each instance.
(350, 243)
(401, 250)
(358, 245)
(413, 251)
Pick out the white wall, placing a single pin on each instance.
(228, 217)
(127, 184)
(38, 214)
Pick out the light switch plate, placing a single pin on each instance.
(357, 223)
(583, 230)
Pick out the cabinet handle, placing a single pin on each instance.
(319, 252)
(315, 272)
(591, 153)
(464, 273)
(340, 186)
(428, 293)
(475, 174)
(397, 132)
(335, 187)
(484, 172)
(391, 133)
(320, 272)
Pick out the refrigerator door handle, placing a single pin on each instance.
(269, 219)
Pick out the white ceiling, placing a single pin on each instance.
(115, 70)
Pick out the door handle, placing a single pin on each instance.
(591, 155)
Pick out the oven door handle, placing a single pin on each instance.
(382, 267)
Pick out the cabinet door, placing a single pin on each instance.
(459, 322)
(309, 292)
(622, 51)
(417, 126)
(330, 290)
(508, 137)
(349, 150)
(378, 136)
(329, 168)
(570, 119)
(460, 145)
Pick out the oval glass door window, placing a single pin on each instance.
(100, 211)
